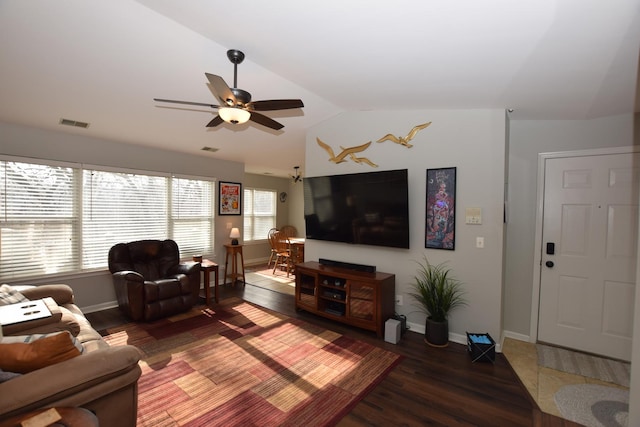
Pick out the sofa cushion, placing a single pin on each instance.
(10, 295)
(67, 322)
(60, 320)
(34, 337)
(61, 293)
(36, 352)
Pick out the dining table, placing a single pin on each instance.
(296, 249)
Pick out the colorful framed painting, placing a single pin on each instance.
(229, 198)
(441, 209)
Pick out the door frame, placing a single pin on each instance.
(537, 251)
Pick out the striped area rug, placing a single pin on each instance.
(586, 365)
(241, 365)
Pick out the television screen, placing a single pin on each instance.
(363, 208)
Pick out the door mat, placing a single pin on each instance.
(586, 365)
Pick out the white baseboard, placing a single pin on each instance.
(256, 261)
(99, 307)
(453, 337)
(516, 336)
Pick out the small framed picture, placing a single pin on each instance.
(441, 209)
(229, 198)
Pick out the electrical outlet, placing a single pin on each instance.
(399, 300)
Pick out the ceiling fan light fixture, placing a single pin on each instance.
(234, 115)
(297, 177)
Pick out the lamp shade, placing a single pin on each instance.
(234, 115)
(234, 235)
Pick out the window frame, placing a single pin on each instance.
(250, 217)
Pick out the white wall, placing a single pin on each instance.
(634, 386)
(296, 206)
(634, 393)
(96, 289)
(471, 140)
(526, 140)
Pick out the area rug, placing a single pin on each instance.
(594, 405)
(573, 362)
(239, 364)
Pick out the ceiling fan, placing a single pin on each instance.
(235, 104)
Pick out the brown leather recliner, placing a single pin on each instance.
(150, 281)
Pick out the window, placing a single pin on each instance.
(120, 207)
(39, 209)
(259, 213)
(191, 219)
(64, 219)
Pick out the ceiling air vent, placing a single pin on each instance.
(74, 123)
(213, 150)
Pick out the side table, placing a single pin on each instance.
(233, 251)
(207, 266)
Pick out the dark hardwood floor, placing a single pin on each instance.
(431, 386)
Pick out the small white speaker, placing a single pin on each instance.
(392, 331)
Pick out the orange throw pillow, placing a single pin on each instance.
(23, 357)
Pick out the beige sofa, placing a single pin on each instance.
(103, 379)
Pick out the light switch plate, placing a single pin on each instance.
(473, 216)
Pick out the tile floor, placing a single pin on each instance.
(542, 383)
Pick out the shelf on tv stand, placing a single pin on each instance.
(368, 297)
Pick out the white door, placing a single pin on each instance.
(590, 222)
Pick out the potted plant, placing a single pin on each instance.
(437, 293)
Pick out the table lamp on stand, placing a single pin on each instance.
(235, 234)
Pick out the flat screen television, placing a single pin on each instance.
(362, 208)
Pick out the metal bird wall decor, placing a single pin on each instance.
(404, 140)
(340, 158)
(355, 159)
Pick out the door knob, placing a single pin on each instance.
(549, 264)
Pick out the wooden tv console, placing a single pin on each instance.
(356, 298)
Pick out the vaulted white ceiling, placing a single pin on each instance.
(103, 62)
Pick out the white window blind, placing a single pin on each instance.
(192, 215)
(38, 204)
(120, 207)
(259, 213)
(64, 219)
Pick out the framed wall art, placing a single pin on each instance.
(229, 198)
(441, 209)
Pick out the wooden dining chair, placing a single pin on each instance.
(289, 230)
(272, 243)
(283, 253)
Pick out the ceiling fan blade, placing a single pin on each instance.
(275, 104)
(186, 102)
(215, 122)
(265, 121)
(221, 89)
